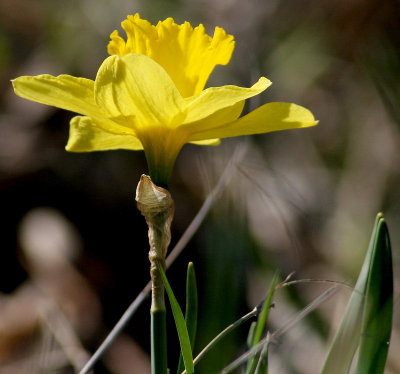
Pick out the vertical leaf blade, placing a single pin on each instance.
(180, 324)
(354, 320)
(191, 310)
(191, 303)
(261, 324)
(377, 318)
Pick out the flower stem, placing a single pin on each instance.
(158, 342)
(156, 205)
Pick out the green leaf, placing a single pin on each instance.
(260, 325)
(250, 335)
(262, 365)
(191, 310)
(364, 307)
(180, 324)
(378, 310)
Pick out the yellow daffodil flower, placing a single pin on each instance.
(149, 95)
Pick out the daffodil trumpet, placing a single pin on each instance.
(149, 95)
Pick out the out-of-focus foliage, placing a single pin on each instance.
(301, 201)
(367, 320)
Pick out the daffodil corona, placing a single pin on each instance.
(149, 95)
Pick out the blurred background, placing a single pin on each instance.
(74, 246)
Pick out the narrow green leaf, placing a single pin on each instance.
(347, 337)
(377, 319)
(191, 303)
(180, 324)
(262, 365)
(261, 323)
(250, 335)
(191, 310)
(262, 319)
(262, 368)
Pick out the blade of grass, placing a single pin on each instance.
(180, 324)
(191, 304)
(262, 364)
(261, 323)
(191, 310)
(250, 336)
(378, 310)
(347, 337)
(249, 340)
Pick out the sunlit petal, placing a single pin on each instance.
(207, 142)
(214, 99)
(267, 118)
(65, 92)
(216, 119)
(86, 136)
(136, 88)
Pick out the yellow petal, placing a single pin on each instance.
(207, 142)
(214, 99)
(65, 92)
(187, 54)
(86, 136)
(137, 89)
(141, 38)
(267, 118)
(223, 116)
(217, 119)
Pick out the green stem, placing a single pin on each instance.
(158, 331)
(158, 342)
(157, 206)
